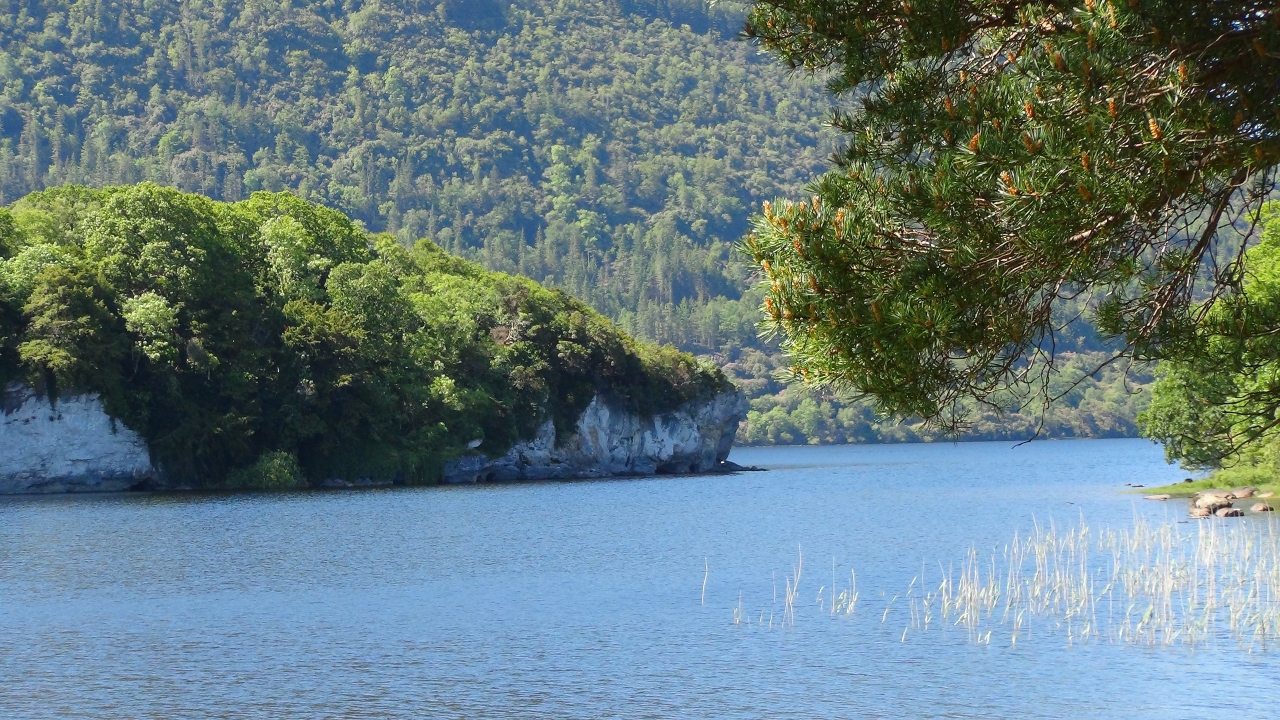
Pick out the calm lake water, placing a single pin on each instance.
(579, 599)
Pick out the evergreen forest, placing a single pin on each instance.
(612, 149)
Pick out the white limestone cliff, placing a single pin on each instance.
(68, 446)
(608, 441)
(73, 445)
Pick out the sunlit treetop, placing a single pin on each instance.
(1004, 159)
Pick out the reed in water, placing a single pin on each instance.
(1152, 584)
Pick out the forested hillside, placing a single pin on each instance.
(610, 148)
(592, 144)
(272, 337)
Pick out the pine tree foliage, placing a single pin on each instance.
(1004, 156)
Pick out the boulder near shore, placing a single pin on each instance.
(1221, 503)
(1212, 503)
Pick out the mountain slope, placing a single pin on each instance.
(596, 145)
(610, 148)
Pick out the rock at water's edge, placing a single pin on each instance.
(70, 446)
(1215, 492)
(608, 440)
(74, 446)
(1212, 503)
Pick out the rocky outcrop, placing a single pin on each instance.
(68, 446)
(74, 446)
(608, 440)
(1209, 502)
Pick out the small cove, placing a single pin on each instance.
(580, 599)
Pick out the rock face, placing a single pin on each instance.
(70, 446)
(1210, 504)
(74, 446)
(608, 440)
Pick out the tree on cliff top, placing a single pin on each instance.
(276, 333)
(1004, 159)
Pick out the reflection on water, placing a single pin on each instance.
(584, 599)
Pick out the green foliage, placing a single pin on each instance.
(69, 331)
(273, 471)
(1103, 404)
(1258, 468)
(1212, 406)
(1003, 159)
(608, 148)
(274, 339)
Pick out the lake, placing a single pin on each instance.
(585, 599)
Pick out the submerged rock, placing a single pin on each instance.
(1198, 512)
(1155, 497)
(608, 440)
(68, 446)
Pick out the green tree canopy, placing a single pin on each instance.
(611, 148)
(1221, 403)
(276, 332)
(1002, 158)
